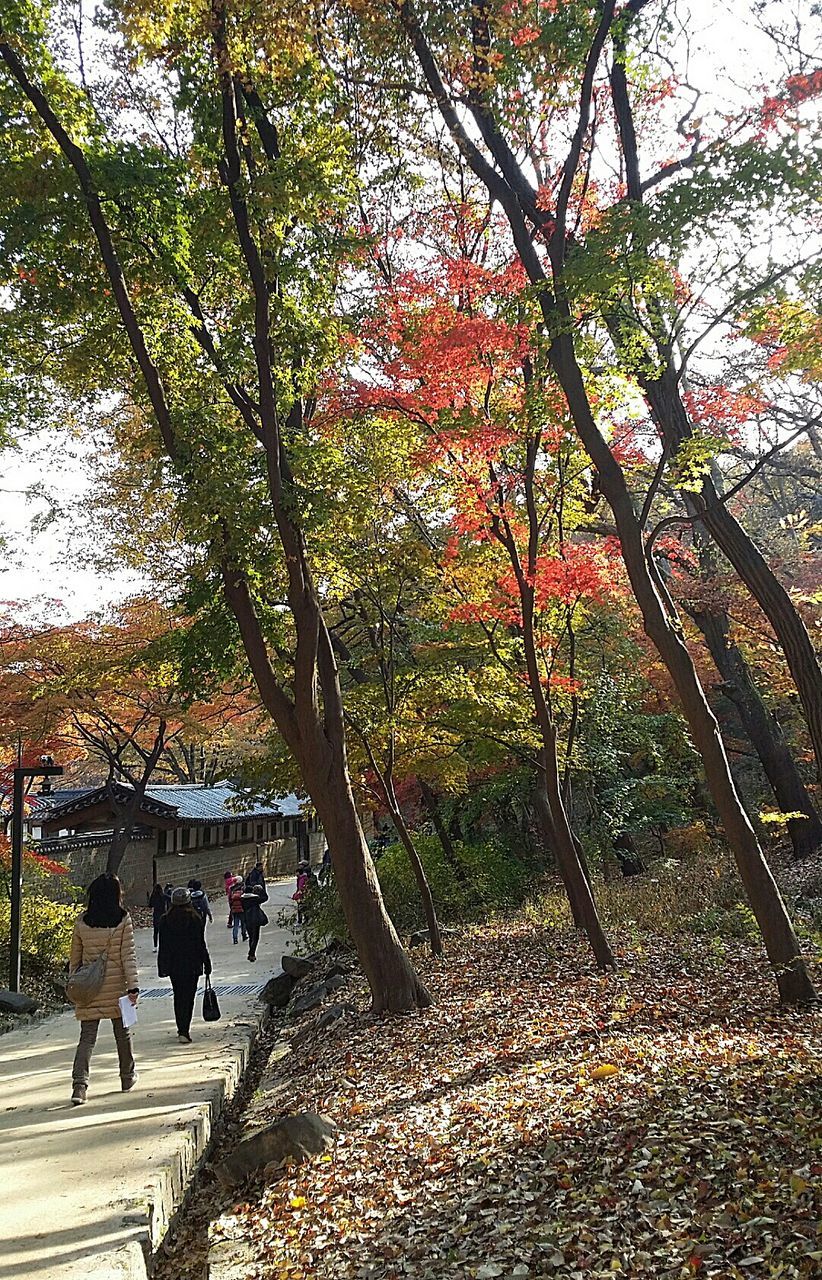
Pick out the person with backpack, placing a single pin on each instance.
(199, 900)
(257, 876)
(254, 895)
(235, 906)
(104, 963)
(183, 957)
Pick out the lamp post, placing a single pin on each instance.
(46, 769)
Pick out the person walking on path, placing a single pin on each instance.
(199, 900)
(228, 881)
(105, 928)
(254, 895)
(257, 876)
(235, 906)
(183, 957)
(159, 905)
(303, 869)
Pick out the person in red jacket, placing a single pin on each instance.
(236, 909)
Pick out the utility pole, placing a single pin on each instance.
(46, 769)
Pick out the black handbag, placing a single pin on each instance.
(211, 1007)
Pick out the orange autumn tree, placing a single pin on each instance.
(534, 105)
(109, 694)
(450, 349)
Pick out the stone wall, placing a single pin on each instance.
(142, 863)
(89, 861)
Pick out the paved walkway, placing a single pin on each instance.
(84, 1191)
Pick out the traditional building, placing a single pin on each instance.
(183, 832)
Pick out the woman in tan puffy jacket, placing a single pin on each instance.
(105, 926)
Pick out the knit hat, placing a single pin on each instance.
(180, 897)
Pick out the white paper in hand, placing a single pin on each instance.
(128, 1011)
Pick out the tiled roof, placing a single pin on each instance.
(185, 802)
(222, 803)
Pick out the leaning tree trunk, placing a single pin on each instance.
(663, 629)
(566, 847)
(671, 416)
(394, 985)
(423, 887)
(385, 780)
(449, 852)
(764, 731)
(318, 745)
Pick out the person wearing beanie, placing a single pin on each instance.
(183, 956)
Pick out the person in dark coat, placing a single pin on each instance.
(159, 906)
(183, 956)
(254, 895)
(257, 876)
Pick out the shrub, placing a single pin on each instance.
(46, 928)
(702, 895)
(494, 881)
(49, 906)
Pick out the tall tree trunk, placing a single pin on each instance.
(563, 841)
(449, 852)
(664, 397)
(318, 745)
(386, 783)
(423, 887)
(120, 838)
(763, 729)
(569, 863)
(315, 734)
(394, 985)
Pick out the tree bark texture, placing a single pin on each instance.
(764, 731)
(740, 549)
(395, 987)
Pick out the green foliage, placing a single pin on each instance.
(46, 927)
(494, 881)
(701, 895)
(693, 460)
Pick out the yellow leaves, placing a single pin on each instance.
(604, 1071)
(297, 1202)
(798, 1184)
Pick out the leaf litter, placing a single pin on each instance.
(542, 1119)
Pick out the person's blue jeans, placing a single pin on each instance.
(237, 924)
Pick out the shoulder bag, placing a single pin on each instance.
(211, 1007)
(82, 985)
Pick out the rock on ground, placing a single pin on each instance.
(293, 1137)
(16, 1002)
